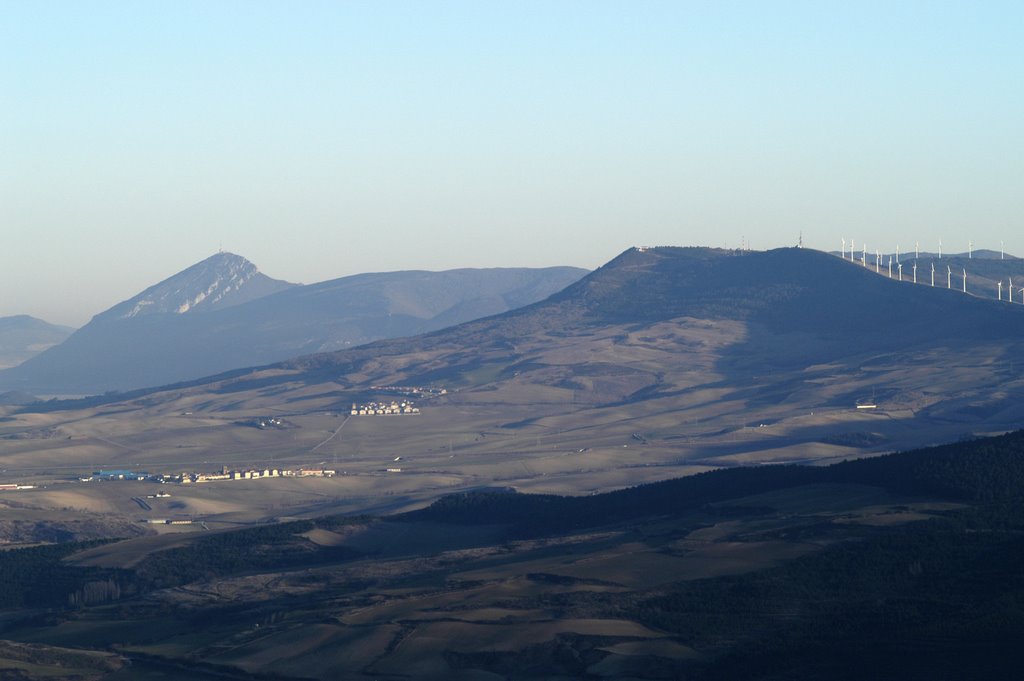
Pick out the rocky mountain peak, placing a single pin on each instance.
(222, 280)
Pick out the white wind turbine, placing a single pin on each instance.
(864, 257)
(970, 249)
(917, 250)
(915, 271)
(878, 260)
(844, 249)
(899, 268)
(965, 280)
(933, 274)
(890, 267)
(1000, 289)
(949, 277)
(1009, 298)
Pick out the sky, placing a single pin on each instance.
(323, 139)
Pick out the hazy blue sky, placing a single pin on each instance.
(321, 139)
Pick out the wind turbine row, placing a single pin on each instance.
(917, 255)
(917, 250)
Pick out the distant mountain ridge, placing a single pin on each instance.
(23, 337)
(222, 313)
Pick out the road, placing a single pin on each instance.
(336, 431)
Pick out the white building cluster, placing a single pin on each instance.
(382, 408)
(248, 474)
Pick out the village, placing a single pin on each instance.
(411, 390)
(375, 408)
(225, 473)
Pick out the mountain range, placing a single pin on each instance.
(705, 356)
(222, 313)
(663, 361)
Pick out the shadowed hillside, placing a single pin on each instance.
(906, 566)
(784, 291)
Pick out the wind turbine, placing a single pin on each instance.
(878, 260)
(915, 271)
(970, 250)
(897, 252)
(844, 249)
(949, 277)
(1000, 289)
(1009, 298)
(933, 275)
(965, 280)
(864, 257)
(890, 267)
(899, 268)
(917, 250)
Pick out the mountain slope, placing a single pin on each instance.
(222, 313)
(841, 306)
(22, 337)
